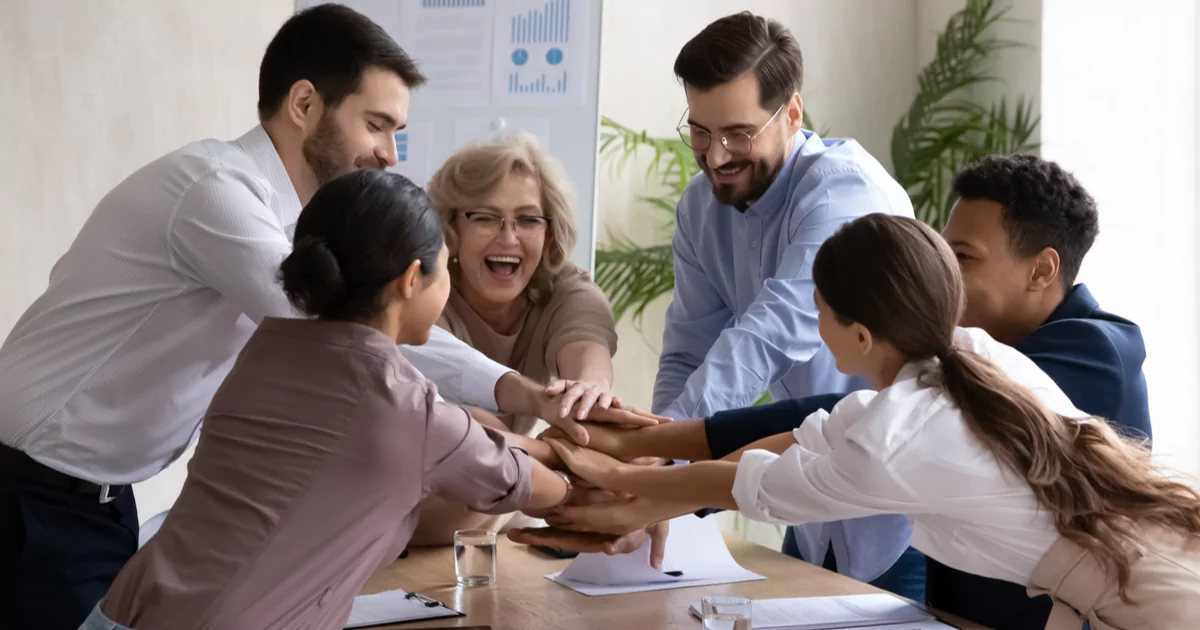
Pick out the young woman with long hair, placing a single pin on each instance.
(1000, 475)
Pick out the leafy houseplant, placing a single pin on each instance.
(943, 131)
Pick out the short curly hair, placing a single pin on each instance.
(1043, 206)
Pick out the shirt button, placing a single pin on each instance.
(754, 244)
(324, 596)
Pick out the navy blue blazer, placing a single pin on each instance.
(1094, 356)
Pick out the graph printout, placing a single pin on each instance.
(539, 52)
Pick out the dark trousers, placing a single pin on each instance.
(59, 552)
(993, 603)
(906, 578)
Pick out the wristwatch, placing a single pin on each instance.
(570, 487)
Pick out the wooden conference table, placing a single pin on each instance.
(522, 599)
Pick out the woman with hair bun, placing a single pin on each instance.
(322, 440)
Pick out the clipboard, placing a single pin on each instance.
(398, 606)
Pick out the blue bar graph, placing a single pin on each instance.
(541, 85)
(551, 25)
(451, 4)
(401, 146)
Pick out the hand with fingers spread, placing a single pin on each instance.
(613, 440)
(563, 415)
(619, 516)
(579, 397)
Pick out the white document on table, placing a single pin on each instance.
(847, 611)
(696, 555)
(393, 607)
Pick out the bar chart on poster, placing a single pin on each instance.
(536, 53)
(495, 67)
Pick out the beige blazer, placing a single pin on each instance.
(1165, 587)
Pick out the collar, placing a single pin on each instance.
(344, 334)
(803, 142)
(1078, 304)
(261, 150)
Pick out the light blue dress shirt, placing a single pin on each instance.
(743, 320)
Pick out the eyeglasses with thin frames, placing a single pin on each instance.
(491, 224)
(736, 142)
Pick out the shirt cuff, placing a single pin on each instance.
(479, 384)
(747, 484)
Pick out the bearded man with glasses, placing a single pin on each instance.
(743, 320)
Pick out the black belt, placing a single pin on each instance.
(18, 465)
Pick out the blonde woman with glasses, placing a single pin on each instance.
(516, 296)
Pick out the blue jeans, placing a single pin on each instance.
(906, 578)
(97, 621)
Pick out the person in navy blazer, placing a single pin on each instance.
(1020, 229)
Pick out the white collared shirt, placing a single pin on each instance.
(107, 375)
(907, 450)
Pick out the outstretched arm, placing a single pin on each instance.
(707, 484)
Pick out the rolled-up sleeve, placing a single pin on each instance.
(823, 477)
(462, 373)
(468, 463)
(581, 313)
(779, 328)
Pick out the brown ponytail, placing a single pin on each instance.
(899, 279)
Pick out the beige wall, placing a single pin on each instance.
(92, 91)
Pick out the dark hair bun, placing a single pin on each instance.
(358, 233)
(312, 278)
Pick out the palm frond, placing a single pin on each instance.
(672, 159)
(633, 276)
(943, 130)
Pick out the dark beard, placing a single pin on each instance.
(323, 151)
(762, 173)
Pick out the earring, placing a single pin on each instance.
(454, 259)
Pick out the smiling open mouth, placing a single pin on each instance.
(502, 266)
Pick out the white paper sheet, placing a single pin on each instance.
(451, 40)
(828, 613)
(467, 130)
(695, 548)
(392, 607)
(414, 148)
(539, 53)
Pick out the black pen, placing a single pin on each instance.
(429, 602)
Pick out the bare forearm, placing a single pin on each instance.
(709, 484)
(537, 449)
(776, 444)
(549, 488)
(519, 395)
(585, 361)
(683, 439)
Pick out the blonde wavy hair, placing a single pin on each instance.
(473, 172)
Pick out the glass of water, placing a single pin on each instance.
(726, 612)
(475, 557)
